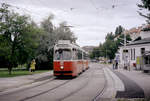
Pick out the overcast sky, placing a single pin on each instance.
(92, 19)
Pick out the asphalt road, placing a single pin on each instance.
(132, 90)
(85, 87)
(98, 83)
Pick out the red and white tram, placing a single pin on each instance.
(69, 59)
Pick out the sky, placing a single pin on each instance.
(91, 19)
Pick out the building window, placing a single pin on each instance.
(124, 54)
(142, 51)
(125, 51)
(133, 54)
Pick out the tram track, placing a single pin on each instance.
(84, 86)
(59, 86)
(52, 78)
(77, 90)
(46, 91)
(98, 97)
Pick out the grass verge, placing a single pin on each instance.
(4, 73)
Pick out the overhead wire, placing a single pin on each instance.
(93, 4)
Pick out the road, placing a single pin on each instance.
(98, 83)
(85, 87)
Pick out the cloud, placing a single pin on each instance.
(92, 19)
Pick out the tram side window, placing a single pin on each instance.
(85, 56)
(74, 54)
(79, 55)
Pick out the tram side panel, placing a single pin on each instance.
(72, 68)
(87, 64)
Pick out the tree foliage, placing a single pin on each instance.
(21, 39)
(145, 4)
(50, 37)
(95, 53)
(18, 38)
(110, 46)
(119, 30)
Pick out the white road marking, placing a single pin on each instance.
(114, 84)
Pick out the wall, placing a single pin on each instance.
(137, 53)
(145, 34)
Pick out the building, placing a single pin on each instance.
(88, 49)
(131, 53)
(133, 32)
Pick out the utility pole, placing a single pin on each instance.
(124, 50)
(126, 62)
(125, 40)
(106, 56)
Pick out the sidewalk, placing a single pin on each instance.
(139, 77)
(14, 82)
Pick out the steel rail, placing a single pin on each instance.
(99, 95)
(27, 98)
(77, 90)
(31, 87)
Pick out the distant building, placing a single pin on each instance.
(133, 32)
(132, 52)
(88, 48)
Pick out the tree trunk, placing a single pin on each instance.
(12, 58)
(9, 70)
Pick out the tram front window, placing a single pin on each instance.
(63, 54)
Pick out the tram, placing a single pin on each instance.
(69, 59)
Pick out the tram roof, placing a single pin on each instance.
(68, 44)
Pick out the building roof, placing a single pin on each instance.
(146, 28)
(142, 41)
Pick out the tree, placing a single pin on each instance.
(51, 34)
(118, 30)
(47, 41)
(109, 36)
(63, 32)
(95, 53)
(18, 37)
(145, 5)
(109, 49)
(121, 40)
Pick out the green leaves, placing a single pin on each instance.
(119, 30)
(111, 44)
(21, 39)
(18, 37)
(145, 5)
(51, 34)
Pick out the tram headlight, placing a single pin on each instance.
(61, 67)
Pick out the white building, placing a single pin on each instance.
(132, 52)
